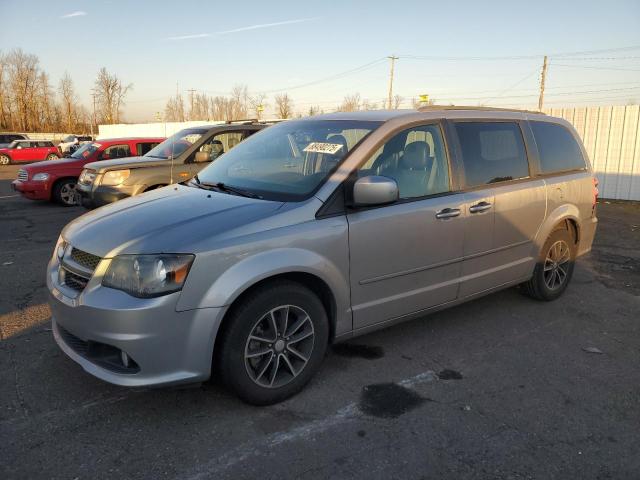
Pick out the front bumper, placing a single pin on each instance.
(103, 195)
(32, 190)
(164, 347)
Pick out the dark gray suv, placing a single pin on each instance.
(176, 159)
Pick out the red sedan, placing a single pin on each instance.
(56, 180)
(28, 151)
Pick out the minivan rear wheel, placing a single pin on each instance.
(554, 267)
(274, 343)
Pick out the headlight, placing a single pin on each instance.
(40, 177)
(87, 177)
(61, 246)
(146, 276)
(115, 177)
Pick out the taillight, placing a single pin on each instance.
(595, 196)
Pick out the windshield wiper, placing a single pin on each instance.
(227, 188)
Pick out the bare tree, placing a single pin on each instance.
(257, 103)
(397, 101)
(368, 105)
(174, 109)
(110, 94)
(68, 98)
(313, 110)
(350, 103)
(284, 105)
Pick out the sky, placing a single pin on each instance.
(320, 51)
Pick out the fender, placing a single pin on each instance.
(251, 270)
(560, 214)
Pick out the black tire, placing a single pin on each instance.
(5, 160)
(241, 374)
(60, 193)
(538, 286)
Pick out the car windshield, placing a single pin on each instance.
(86, 150)
(13, 144)
(177, 143)
(68, 139)
(288, 161)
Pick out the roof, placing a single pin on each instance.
(385, 115)
(127, 139)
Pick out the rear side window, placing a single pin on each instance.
(116, 151)
(492, 152)
(559, 151)
(144, 148)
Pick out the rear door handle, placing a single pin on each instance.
(480, 207)
(448, 213)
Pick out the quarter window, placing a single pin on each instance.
(144, 148)
(557, 148)
(492, 152)
(416, 159)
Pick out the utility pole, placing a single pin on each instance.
(543, 77)
(393, 59)
(191, 91)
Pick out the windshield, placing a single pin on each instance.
(288, 161)
(86, 150)
(69, 139)
(177, 143)
(13, 144)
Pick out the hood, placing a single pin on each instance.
(173, 219)
(50, 165)
(127, 162)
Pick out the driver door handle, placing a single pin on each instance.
(448, 213)
(480, 207)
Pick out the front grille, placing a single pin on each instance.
(23, 176)
(87, 260)
(73, 281)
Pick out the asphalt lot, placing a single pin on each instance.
(502, 387)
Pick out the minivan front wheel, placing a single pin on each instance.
(275, 342)
(554, 268)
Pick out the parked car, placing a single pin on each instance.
(318, 230)
(178, 159)
(56, 180)
(70, 142)
(20, 151)
(7, 138)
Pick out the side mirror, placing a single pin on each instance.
(202, 157)
(374, 190)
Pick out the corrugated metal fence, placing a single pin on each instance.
(611, 136)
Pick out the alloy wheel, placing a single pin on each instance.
(4, 160)
(279, 346)
(556, 265)
(68, 193)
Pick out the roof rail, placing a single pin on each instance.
(243, 121)
(428, 108)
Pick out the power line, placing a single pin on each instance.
(520, 57)
(597, 68)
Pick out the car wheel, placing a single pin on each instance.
(275, 342)
(52, 156)
(554, 268)
(4, 160)
(64, 192)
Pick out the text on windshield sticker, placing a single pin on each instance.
(320, 147)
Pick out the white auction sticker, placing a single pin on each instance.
(320, 147)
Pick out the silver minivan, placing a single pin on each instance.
(314, 231)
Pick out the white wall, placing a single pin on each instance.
(611, 136)
(147, 129)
